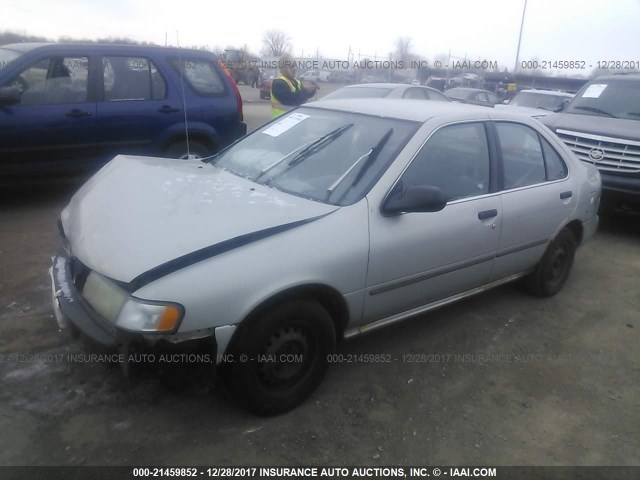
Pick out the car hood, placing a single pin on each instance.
(137, 213)
(528, 111)
(595, 124)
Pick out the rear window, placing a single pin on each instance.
(201, 75)
(358, 92)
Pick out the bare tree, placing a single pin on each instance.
(275, 43)
(403, 49)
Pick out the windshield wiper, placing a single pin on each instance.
(270, 167)
(319, 144)
(305, 150)
(370, 156)
(375, 151)
(594, 110)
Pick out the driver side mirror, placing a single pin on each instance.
(9, 96)
(414, 199)
(563, 106)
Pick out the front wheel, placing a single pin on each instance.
(183, 151)
(553, 270)
(281, 357)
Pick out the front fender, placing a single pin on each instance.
(224, 290)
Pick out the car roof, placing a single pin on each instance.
(24, 47)
(27, 47)
(375, 85)
(466, 90)
(619, 77)
(403, 109)
(547, 92)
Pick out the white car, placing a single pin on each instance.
(537, 103)
(335, 219)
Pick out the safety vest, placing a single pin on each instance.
(278, 108)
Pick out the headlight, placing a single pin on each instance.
(149, 317)
(117, 306)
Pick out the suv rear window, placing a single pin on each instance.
(202, 75)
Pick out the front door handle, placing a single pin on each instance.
(564, 195)
(487, 214)
(168, 109)
(76, 113)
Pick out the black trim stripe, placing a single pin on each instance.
(433, 273)
(509, 251)
(448, 269)
(205, 253)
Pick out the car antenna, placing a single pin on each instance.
(184, 102)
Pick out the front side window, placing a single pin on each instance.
(522, 159)
(201, 75)
(7, 56)
(54, 80)
(455, 159)
(131, 78)
(324, 155)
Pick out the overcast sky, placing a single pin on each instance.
(588, 30)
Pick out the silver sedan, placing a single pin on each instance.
(337, 218)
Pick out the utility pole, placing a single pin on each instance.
(524, 10)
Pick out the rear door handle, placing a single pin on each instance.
(487, 214)
(564, 195)
(75, 113)
(168, 109)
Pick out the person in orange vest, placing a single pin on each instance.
(288, 92)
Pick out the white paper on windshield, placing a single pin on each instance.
(285, 124)
(594, 91)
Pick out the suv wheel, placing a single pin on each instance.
(195, 150)
(281, 357)
(553, 270)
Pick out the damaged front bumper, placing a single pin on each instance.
(73, 311)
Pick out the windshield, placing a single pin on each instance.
(7, 56)
(358, 92)
(544, 101)
(617, 99)
(324, 155)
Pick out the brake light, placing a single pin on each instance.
(235, 89)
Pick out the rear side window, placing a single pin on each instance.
(455, 159)
(131, 78)
(522, 159)
(556, 168)
(201, 75)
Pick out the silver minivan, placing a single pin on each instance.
(337, 218)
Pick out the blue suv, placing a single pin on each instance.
(71, 106)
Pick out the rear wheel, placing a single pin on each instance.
(553, 270)
(281, 357)
(195, 150)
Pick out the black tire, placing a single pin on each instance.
(179, 150)
(553, 270)
(262, 383)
